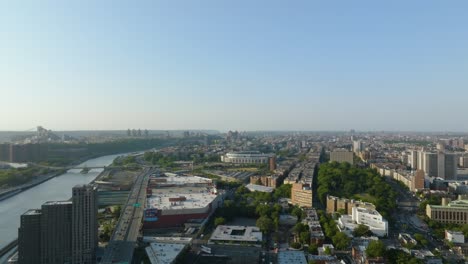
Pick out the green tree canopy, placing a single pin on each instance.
(341, 241)
(265, 224)
(219, 221)
(375, 249)
(361, 230)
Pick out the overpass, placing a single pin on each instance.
(124, 239)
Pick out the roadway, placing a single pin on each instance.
(123, 240)
(406, 219)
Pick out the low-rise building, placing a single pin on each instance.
(456, 237)
(455, 212)
(312, 220)
(259, 188)
(335, 204)
(164, 253)
(269, 181)
(238, 235)
(287, 257)
(363, 216)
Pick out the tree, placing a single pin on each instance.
(296, 245)
(263, 210)
(284, 191)
(361, 230)
(313, 249)
(305, 237)
(219, 221)
(341, 240)
(265, 224)
(296, 211)
(375, 249)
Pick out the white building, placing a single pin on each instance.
(363, 216)
(455, 236)
(371, 218)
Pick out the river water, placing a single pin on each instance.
(56, 189)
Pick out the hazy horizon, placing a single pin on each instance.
(216, 65)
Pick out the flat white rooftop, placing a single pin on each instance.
(237, 234)
(163, 253)
(259, 188)
(188, 200)
(181, 180)
(173, 240)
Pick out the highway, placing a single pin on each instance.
(123, 240)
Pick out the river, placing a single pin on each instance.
(58, 188)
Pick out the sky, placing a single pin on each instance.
(234, 65)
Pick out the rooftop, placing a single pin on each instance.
(259, 188)
(181, 200)
(57, 202)
(162, 253)
(33, 212)
(173, 179)
(296, 257)
(237, 233)
(173, 240)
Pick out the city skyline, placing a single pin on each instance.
(245, 66)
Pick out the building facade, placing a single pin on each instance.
(29, 237)
(246, 157)
(84, 224)
(455, 212)
(342, 155)
(301, 195)
(270, 181)
(335, 204)
(55, 228)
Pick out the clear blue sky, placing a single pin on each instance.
(268, 65)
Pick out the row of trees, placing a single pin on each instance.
(344, 180)
(17, 176)
(254, 204)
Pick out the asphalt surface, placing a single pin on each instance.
(122, 243)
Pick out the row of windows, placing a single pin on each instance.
(450, 216)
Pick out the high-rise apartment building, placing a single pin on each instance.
(84, 224)
(440, 164)
(56, 223)
(450, 166)
(358, 146)
(413, 159)
(29, 237)
(61, 231)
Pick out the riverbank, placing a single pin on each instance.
(10, 192)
